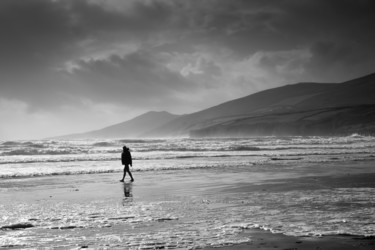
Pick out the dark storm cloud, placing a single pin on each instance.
(249, 26)
(350, 59)
(126, 79)
(52, 28)
(40, 37)
(344, 29)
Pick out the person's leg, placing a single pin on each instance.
(123, 177)
(130, 174)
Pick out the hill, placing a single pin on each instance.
(298, 109)
(128, 129)
(324, 121)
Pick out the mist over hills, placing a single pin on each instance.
(133, 128)
(296, 109)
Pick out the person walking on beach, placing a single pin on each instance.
(126, 160)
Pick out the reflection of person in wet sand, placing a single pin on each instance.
(128, 190)
(128, 194)
(126, 160)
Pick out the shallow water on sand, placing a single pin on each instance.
(187, 209)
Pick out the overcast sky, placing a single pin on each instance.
(76, 65)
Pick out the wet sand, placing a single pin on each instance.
(264, 240)
(97, 211)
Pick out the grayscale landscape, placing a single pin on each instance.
(187, 124)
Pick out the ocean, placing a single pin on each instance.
(52, 157)
(214, 189)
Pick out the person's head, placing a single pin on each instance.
(125, 148)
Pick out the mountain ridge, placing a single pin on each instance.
(305, 108)
(286, 99)
(235, 107)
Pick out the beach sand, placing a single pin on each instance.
(264, 240)
(169, 209)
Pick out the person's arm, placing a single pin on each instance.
(131, 161)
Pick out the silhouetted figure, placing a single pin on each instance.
(126, 160)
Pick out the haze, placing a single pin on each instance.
(77, 65)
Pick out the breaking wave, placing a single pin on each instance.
(103, 144)
(141, 141)
(9, 144)
(43, 152)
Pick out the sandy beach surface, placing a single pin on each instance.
(231, 207)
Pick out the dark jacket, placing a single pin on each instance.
(126, 158)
